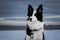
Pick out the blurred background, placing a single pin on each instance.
(13, 15)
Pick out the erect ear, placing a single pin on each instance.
(30, 10)
(40, 8)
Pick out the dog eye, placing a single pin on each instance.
(35, 14)
(30, 19)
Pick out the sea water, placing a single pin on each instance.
(20, 35)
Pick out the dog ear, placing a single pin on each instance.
(40, 8)
(30, 10)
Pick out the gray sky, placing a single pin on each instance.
(14, 11)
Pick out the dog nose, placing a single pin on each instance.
(30, 19)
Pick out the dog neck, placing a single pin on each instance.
(36, 29)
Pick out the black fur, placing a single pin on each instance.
(29, 32)
(30, 10)
(39, 16)
(43, 36)
(39, 13)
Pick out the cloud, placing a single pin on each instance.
(51, 23)
(3, 21)
(23, 23)
(13, 23)
(55, 16)
(13, 17)
(4, 18)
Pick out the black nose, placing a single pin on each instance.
(30, 19)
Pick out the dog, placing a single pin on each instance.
(35, 24)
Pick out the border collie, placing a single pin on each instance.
(35, 24)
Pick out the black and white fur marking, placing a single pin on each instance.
(35, 24)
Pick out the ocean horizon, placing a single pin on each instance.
(9, 27)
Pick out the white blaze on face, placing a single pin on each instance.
(34, 19)
(35, 24)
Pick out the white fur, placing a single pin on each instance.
(35, 24)
(33, 17)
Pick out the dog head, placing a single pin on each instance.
(35, 15)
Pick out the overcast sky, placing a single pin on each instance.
(14, 12)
